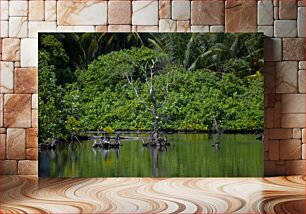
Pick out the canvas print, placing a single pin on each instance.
(151, 104)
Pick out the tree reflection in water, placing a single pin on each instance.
(216, 141)
(190, 155)
(105, 152)
(154, 155)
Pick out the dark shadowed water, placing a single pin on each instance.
(189, 155)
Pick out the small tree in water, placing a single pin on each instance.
(156, 78)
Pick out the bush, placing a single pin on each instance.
(195, 99)
(101, 98)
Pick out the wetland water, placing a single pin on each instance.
(189, 155)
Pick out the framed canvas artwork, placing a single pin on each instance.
(151, 104)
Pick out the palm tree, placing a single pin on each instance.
(239, 53)
(86, 47)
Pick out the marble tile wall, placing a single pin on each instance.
(282, 21)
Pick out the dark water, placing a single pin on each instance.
(189, 155)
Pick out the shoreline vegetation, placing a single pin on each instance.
(90, 134)
(178, 131)
(190, 83)
(86, 134)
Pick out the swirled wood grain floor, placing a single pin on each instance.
(154, 195)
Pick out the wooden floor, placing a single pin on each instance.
(153, 195)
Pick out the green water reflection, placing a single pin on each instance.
(190, 155)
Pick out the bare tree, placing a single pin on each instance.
(157, 95)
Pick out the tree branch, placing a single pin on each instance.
(131, 82)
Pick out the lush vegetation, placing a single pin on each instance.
(83, 82)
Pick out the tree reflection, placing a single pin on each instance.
(216, 141)
(154, 152)
(106, 152)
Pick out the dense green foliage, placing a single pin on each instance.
(50, 93)
(213, 76)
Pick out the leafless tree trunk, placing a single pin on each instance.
(151, 70)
